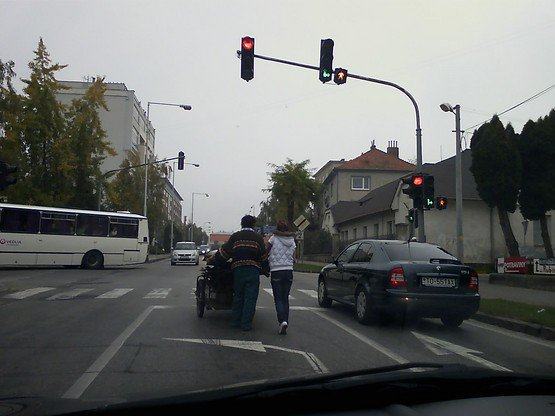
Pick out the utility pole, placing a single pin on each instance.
(448, 108)
(193, 211)
(171, 208)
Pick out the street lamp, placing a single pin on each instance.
(184, 107)
(193, 210)
(448, 108)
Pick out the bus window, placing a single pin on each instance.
(92, 225)
(124, 227)
(57, 223)
(14, 220)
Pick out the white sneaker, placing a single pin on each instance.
(283, 328)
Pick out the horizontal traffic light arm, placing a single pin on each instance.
(168, 159)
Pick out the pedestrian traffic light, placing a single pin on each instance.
(326, 60)
(441, 202)
(6, 171)
(247, 58)
(340, 76)
(180, 161)
(428, 192)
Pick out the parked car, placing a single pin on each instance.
(383, 278)
(185, 252)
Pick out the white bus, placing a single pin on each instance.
(32, 235)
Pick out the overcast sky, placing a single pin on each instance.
(484, 55)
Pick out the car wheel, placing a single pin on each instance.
(93, 260)
(323, 300)
(363, 308)
(452, 321)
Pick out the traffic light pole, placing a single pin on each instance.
(421, 232)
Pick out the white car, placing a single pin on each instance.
(185, 252)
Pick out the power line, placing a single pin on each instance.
(533, 97)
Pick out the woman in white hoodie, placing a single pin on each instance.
(282, 256)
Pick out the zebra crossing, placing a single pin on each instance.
(85, 293)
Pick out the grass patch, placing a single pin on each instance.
(517, 310)
(307, 268)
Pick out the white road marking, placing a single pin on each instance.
(70, 294)
(459, 350)
(157, 293)
(370, 342)
(257, 346)
(113, 294)
(512, 334)
(271, 293)
(244, 345)
(310, 292)
(29, 292)
(83, 382)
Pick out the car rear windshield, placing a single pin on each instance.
(417, 252)
(185, 246)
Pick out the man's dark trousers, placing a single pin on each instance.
(246, 281)
(281, 286)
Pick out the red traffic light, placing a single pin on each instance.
(417, 180)
(441, 202)
(340, 76)
(248, 43)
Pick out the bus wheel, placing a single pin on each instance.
(93, 260)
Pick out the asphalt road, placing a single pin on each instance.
(129, 333)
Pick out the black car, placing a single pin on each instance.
(390, 278)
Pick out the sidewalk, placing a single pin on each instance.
(157, 257)
(515, 294)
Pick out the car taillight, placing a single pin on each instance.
(397, 278)
(473, 282)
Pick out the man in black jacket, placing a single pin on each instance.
(247, 251)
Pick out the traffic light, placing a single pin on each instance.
(414, 190)
(5, 175)
(340, 76)
(247, 58)
(326, 60)
(441, 202)
(428, 192)
(180, 161)
(412, 217)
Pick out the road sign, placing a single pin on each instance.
(301, 223)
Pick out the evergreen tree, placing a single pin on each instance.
(497, 170)
(537, 151)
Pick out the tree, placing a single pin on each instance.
(88, 145)
(126, 192)
(497, 170)
(537, 151)
(292, 189)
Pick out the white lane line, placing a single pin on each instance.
(370, 342)
(115, 293)
(310, 292)
(271, 293)
(512, 334)
(160, 293)
(83, 382)
(29, 292)
(465, 352)
(70, 294)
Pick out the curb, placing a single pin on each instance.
(157, 259)
(535, 330)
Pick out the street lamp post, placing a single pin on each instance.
(171, 208)
(448, 108)
(193, 210)
(209, 229)
(184, 107)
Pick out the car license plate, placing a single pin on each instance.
(438, 282)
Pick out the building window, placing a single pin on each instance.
(360, 183)
(390, 228)
(354, 233)
(365, 232)
(376, 230)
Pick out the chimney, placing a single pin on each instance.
(392, 148)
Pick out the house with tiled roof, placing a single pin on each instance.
(349, 180)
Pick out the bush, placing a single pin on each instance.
(317, 242)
